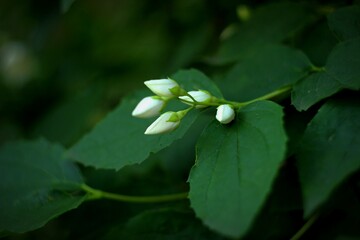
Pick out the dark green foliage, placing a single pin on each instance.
(271, 23)
(345, 22)
(341, 71)
(163, 224)
(37, 184)
(287, 166)
(269, 68)
(329, 150)
(343, 63)
(342, 66)
(312, 89)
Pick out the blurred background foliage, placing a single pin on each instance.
(65, 64)
(78, 64)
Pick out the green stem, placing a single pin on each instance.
(304, 228)
(194, 103)
(265, 97)
(270, 95)
(182, 113)
(216, 101)
(317, 69)
(98, 194)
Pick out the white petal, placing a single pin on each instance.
(225, 114)
(161, 87)
(199, 96)
(148, 107)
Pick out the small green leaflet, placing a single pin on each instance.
(342, 70)
(344, 63)
(37, 184)
(119, 139)
(345, 22)
(312, 89)
(236, 165)
(329, 151)
(269, 68)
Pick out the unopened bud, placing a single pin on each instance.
(199, 96)
(167, 122)
(162, 87)
(148, 107)
(225, 113)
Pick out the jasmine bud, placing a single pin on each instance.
(162, 87)
(199, 96)
(149, 107)
(167, 122)
(225, 113)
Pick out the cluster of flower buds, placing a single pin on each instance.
(167, 89)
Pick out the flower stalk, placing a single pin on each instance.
(94, 194)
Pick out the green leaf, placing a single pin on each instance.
(312, 89)
(341, 71)
(236, 165)
(268, 69)
(345, 22)
(162, 224)
(329, 151)
(119, 139)
(344, 63)
(270, 23)
(37, 184)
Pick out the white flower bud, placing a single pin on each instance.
(148, 107)
(225, 113)
(199, 96)
(161, 87)
(167, 122)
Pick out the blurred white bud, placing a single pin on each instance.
(167, 122)
(162, 87)
(225, 113)
(148, 107)
(17, 65)
(199, 96)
